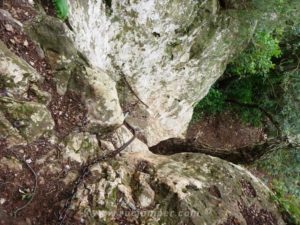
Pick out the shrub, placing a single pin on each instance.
(288, 204)
(212, 103)
(257, 58)
(250, 82)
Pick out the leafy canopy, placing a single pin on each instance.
(250, 81)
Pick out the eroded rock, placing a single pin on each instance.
(184, 188)
(169, 57)
(102, 101)
(16, 74)
(31, 119)
(166, 59)
(9, 133)
(80, 146)
(50, 33)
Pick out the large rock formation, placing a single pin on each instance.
(148, 62)
(182, 189)
(168, 57)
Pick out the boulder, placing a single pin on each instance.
(16, 74)
(31, 119)
(143, 188)
(168, 57)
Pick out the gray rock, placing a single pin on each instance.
(9, 133)
(80, 146)
(16, 74)
(169, 57)
(181, 189)
(101, 98)
(31, 119)
(50, 33)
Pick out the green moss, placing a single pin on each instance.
(49, 32)
(31, 119)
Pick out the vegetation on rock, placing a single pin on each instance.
(266, 78)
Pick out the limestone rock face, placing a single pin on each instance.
(31, 119)
(102, 100)
(15, 73)
(150, 61)
(9, 133)
(182, 189)
(168, 57)
(21, 120)
(96, 88)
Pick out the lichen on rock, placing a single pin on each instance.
(16, 74)
(31, 119)
(166, 60)
(184, 188)
(80, 147)
(170, 58)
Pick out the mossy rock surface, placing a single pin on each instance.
(181, 189)
(16, 74)
(31, 119)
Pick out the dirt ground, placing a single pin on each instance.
(224, 131)
(68, 113)
(223, 135)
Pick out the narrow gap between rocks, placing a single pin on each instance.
(223, 136)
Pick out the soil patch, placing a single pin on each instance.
(225, 130)
(20, 10)
(68, 113)
(223, 135)
(16, 189)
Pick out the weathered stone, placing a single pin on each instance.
(12, 164)
(146, 195)
(101, 98)
(31, 119)
(40, 96)
(16, 74)
(166, 60)
(50, 33)
(183, 188)
(80, 146)
(122, 135)
(169, 57)
(9, 133)
(97, 90)
(6, 17)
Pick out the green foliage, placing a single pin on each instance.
(284, 166)
(289, 115)
(288, 204)
(214, 102)
(257, 58)
(248, 74)
(61, 8)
